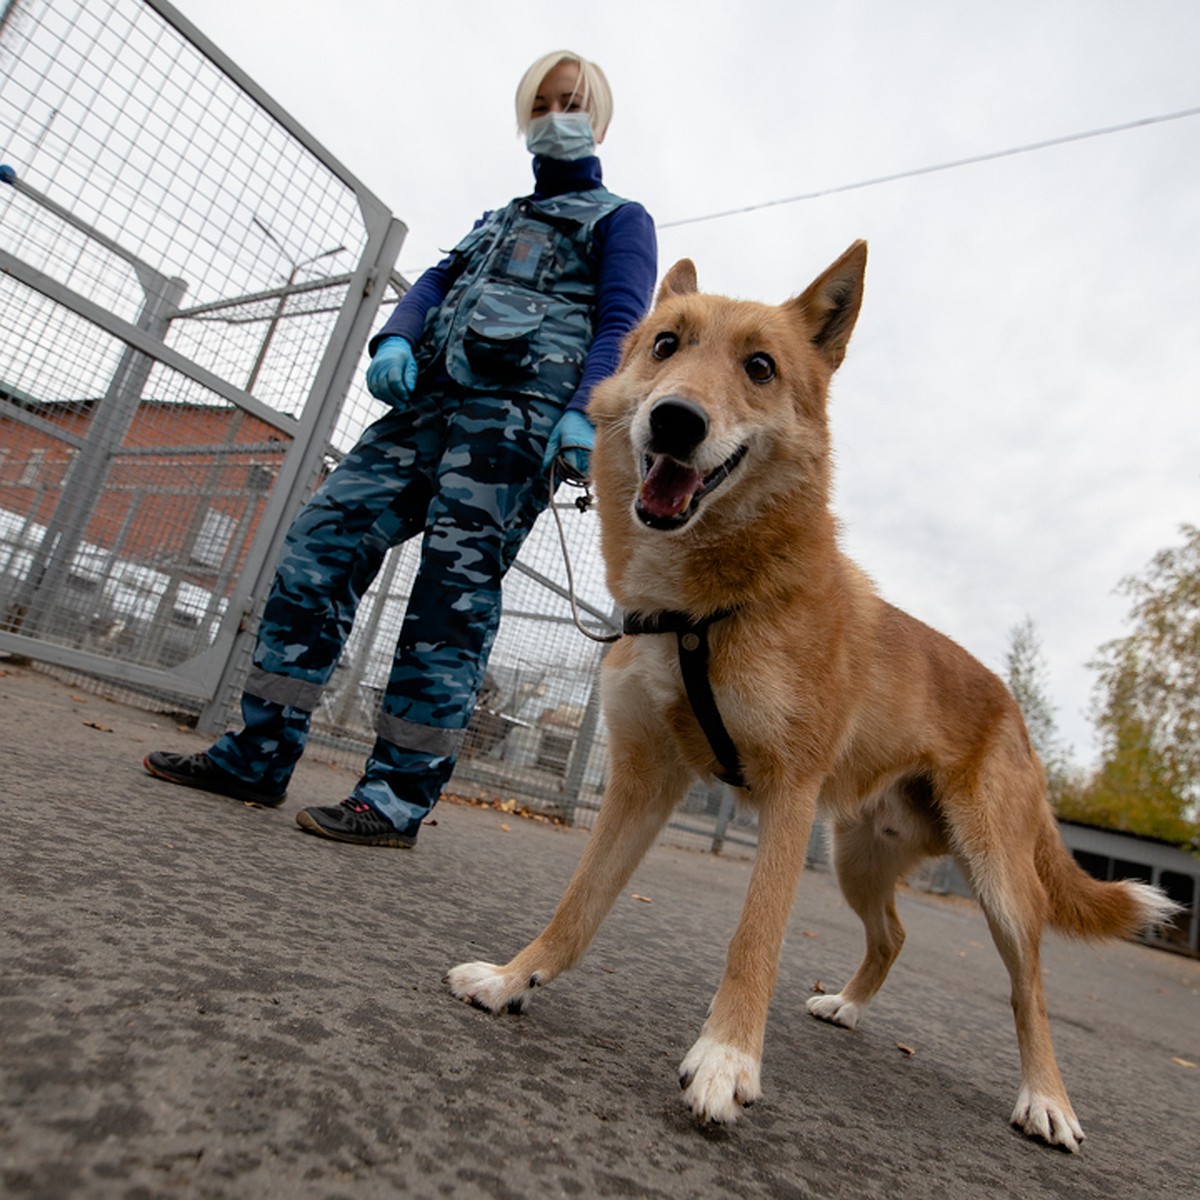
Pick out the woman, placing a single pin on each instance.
(487, 363)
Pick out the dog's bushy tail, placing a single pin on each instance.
(1081, 906)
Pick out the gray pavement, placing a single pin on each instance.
(199, 1000)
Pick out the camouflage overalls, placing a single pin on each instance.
(500, 358)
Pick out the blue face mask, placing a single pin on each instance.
(565, 136)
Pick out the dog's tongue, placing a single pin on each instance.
(669, 487)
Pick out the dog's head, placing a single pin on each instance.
(724, 398)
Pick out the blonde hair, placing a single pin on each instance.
(594, 92)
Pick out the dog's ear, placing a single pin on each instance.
(680, 280)
(830, 304)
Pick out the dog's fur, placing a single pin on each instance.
(712, 469)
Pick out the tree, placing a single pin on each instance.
(1025, 674)
(1147, 705)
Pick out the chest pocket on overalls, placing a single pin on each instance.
(502, 333)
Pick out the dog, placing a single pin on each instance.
(713, 477)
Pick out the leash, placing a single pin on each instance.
(562, 471)
(691, 638)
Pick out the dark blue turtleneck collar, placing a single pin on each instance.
(553, 176)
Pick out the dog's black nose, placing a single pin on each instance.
(677, 426)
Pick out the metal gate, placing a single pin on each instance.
(187, 283)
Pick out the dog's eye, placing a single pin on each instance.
(760, 367)
(664, 346)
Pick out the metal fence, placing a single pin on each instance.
(187, 283)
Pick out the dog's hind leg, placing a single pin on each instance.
(1043, 1109)
(995, 829)
(634, 810)
(1014, 902)
(871, 853)
(721, 1073)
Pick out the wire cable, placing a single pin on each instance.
(946, 166)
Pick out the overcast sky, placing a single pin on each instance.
(1017, 423)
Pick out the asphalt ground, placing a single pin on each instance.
(199, 1000)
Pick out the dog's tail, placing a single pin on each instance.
(1081, 906)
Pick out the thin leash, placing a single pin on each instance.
(561, 472)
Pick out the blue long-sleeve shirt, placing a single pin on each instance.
(627, 254)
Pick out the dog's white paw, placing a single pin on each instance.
(836, 1009)
(1044, 1117)
(485, 986)
(718, 1081)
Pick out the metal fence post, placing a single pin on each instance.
(724, 816)
(584, 740)
(110, 422)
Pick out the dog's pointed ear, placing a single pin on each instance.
(680, 280)
(830, 304)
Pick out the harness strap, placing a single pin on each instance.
(692, 640)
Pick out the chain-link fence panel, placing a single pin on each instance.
(188, 281)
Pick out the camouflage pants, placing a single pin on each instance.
(464, 469)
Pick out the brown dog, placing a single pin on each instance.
(712, 471)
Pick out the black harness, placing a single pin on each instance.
(692, 639)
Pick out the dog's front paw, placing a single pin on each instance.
(486, 986)
(1053, 1121)
(718, 1081)
(837, 1010)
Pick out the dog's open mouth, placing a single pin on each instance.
(671, 492)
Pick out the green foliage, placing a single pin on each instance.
(1132, 791)
(1147, 707)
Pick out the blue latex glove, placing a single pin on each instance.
(392, 374)
(573, 439)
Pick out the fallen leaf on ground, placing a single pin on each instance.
(504, 827)
(907, 1050)
(504, 806)
(97, 725)
(1183, 1062)
(819, 988)
(643, 899)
